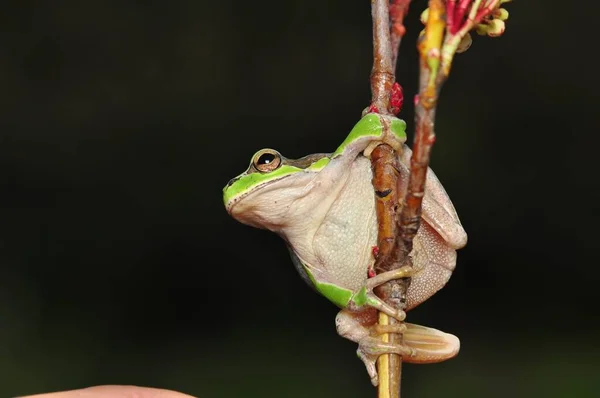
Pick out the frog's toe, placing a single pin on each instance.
(369, 362)
(398, 273)
(374, 347)
(396, 328)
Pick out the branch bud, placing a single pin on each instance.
(464, 44)
(493, 28)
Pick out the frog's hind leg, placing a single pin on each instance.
(420, 344)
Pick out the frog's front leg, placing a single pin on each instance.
(373, 301)
(420, 344)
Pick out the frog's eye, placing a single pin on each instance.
(267, 160)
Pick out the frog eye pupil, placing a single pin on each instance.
(266, 158)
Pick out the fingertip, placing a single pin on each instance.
(113, 391)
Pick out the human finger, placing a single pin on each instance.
(114, 392)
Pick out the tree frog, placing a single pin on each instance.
(323, 206)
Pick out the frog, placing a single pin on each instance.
(323, 206)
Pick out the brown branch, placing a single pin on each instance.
(402, 218)
(410, 217)
(386, 40)
(392, 218)
(385, 179)
(382, 74)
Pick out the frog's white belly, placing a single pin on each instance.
(342, 245)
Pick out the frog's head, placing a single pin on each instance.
(263, 195)
(276, 192)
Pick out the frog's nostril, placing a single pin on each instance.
(230, 183)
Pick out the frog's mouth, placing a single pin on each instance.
(231, 202)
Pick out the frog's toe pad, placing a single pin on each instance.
(430, 345)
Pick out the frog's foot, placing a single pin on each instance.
(370, 348)
(428, 345)
(376, 302)
(390, 134)
(420, 344)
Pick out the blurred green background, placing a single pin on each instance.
(122, 121)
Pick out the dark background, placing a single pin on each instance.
(121, 121)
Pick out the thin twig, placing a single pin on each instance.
(436, 55)
(429, 87)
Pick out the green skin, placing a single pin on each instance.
(323, 206)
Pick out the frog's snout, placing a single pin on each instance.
(230, 183)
